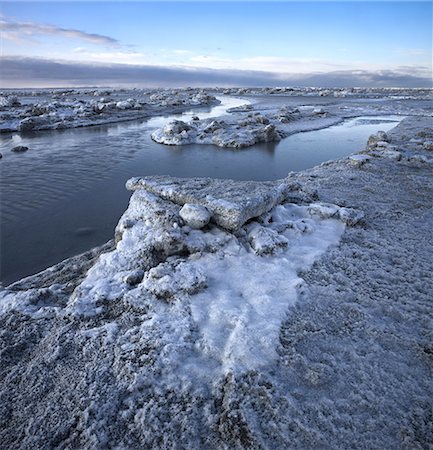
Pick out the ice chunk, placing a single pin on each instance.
(318, 112)
(169, 279)
(231, 203)
(350, 216)
(195, 216)
(238, 132)
(376, 138)
(323, 210)
(264, 240)
(428, 145)
(358, 160)
(9, 101)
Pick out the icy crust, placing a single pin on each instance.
(230, 203)
(237, 287)
(46, 110)
(244, 128)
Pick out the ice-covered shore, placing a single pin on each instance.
(59, 109)
(299, 316)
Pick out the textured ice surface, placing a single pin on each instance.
(231, 203)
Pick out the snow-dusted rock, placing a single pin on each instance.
(286, 114)
(127, 104)
(176, 132)
(418, 158)
(242, 108)
(177, 97)
(195, 216)
(323, 210)
(391, 154)
(40, 109)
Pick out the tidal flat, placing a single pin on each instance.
(267, 286)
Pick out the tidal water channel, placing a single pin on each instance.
(66, 194)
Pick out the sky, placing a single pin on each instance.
(377, 43)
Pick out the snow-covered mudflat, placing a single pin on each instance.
(293, 313)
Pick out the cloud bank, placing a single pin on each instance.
(18, 72)
(17, 31)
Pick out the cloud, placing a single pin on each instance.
(414, 52)
(266, 63)
(33, 72)
(18, 31)
(181, 52)
(114, 56)
(296, 66)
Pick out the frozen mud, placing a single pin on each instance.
(299, 316)
(59, 109)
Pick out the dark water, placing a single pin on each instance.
(66, 194)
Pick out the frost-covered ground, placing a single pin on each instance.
(287, 314)
(59, 109)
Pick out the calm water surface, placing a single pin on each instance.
(66, 194)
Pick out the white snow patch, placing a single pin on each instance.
(240, 313)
